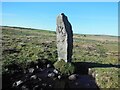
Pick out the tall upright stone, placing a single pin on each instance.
(64, 38)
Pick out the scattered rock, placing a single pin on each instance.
(17, 83)
(55, 71)
(6, 69)
(40, 69)
(31, 70)
(39, 79)
(90, 71)
(24, 88)
(44, 84)
(48, 65)
(72, 77)
(50, 85)
(94, 74)
(37, 66)
(51, 75)
(59, 76)
(33, 77)
(36, 87)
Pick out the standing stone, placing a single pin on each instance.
(64, 38)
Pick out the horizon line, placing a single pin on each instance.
(54, 31)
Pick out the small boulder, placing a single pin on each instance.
(48, 65)
(33, 77)
(72, 77)
(24, 88)
(59, 76)
(17, 83)
(31, 70)
(50, 86)
(36, 87)
(37, 66)
(44, 84)
(55, 71)
(40, 69)
(39, 79)
(51, 75)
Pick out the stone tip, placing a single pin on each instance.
(62, 14)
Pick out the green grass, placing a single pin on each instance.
(107, 77)
(32, 45)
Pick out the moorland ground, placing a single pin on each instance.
(24, 45)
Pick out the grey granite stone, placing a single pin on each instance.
(64, 38)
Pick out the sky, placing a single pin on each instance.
(60, 0)
(85, 17)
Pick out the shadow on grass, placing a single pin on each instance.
(95, 65)
(82, 67)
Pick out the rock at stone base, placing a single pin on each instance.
(24, 88)
(36, 87)
(55, 71)
(51, 75)
(17, 83)
(31, 70)
(44, 84)
(33, 77)
(72, 77)
(39, 79)
(59, 76)
(50, 86)
(48, 65)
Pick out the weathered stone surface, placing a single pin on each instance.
(64, 38)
